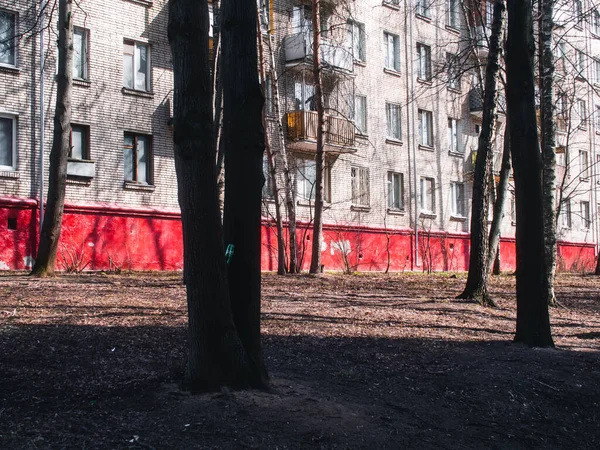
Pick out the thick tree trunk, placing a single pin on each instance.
(215, 354)
(476, 287)
(45, 263)
(533, 322)
(548, 129)
(501, 189)
(271, 163)
(244, 139)
(315, 262)
(280, 154)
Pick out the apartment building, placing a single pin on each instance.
(403, 119)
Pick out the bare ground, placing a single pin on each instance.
(368, 361)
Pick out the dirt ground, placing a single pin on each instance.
(366, 361)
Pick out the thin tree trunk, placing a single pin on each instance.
(315, 262)
(501, 189)
(476, 287)
(280, 153)
(244, 139)
(548, 129)
(533, 322)
(45, 263)
(215, 353)
(217, 84)
(281, 266)
(597, 271)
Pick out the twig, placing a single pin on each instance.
(547, 385)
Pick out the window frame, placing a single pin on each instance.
(358, 40)
(453, 81)
(14, 45)
(585, 212)
(565, 214)
(454, 136)
(452, 14)
(457, 208)
(422, 205)
(86, 154)
(584, 165)
(424, 69)
(149, 164)
(423, 8)
(389, 107)
(395, 67)
(360, 193)
(86, 49)
(423, 113)
(357, 123)
(136, 45)
(395, 179)
(13, 118)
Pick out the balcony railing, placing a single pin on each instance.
(476, 103)
(298, 48)
(339, 132)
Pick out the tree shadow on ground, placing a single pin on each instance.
(76, 386)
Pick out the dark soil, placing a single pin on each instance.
(373, 361)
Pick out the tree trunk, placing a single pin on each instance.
(315, 262)
(215, 354)
(548, 129)
(501, 189)
(533, 322)
(45, 263)
(244, 140)
(597, 271)
(271, 163)
(280, 153)
(476, 287)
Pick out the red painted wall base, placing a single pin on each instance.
(107, 237)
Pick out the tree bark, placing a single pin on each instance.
(271, 163)
(315, 262)
(244, 140)
(501, 189)
(215, 353)
(476, 287)
(533, 322)
(548, 130)
(45, 263)
(280, 153)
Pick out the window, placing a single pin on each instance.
(578, 6)
(425, 128)
(356, 41)
(562, 55)
(304, 97)
(454, 144)
(457, 193)
(583, 165)
(7, 38)
(452, 7)
(360, 113)
(596, 22)
(137, 158)
(424, 62)
(8, 142)
(489, 14)
(580, 63)
(269, 107)
(597, 118)
(306, 177)
(80, 143)
(80, 58)
(596, 71)
(136, 66)
(268, 186)
(584, 209)
(392, 113)
(453, 71)
(427, 195)
(565, 214)
(423, 8)
(360, 186)
(391, 44)
(395, 183)
(391, 2)
(582, 112)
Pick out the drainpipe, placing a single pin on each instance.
(41, 131)
(410, 116)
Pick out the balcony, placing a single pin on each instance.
(481, 40)
(298, 50)
(476, 104)
(302, 132)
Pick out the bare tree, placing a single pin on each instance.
(533, 322)
(61, 146)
